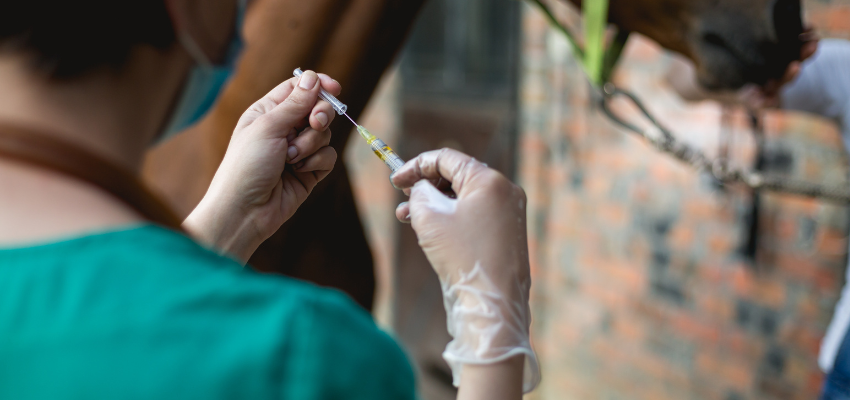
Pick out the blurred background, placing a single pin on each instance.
(647, 284)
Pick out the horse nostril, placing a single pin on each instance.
(714, 39)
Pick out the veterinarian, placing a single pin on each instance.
(821, 86)
(104, 294)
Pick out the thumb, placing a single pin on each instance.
(427, 202)
(288, 105)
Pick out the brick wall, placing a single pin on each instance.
(640, 287)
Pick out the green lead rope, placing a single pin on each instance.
(598, 62)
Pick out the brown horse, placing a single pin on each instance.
(352, 40)
(730, 41)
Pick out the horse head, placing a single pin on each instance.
(732, 42)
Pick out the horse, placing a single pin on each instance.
(732, 42)
(354, 41)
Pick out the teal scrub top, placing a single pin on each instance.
(146, 313)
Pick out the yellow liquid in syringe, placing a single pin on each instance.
(366, 135)
(384, 152)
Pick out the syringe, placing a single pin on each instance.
(384, 152)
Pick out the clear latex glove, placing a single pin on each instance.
(478, 246)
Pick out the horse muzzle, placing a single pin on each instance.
(757, 47)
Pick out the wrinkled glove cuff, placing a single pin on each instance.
(487, 326)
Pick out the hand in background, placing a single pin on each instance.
(770, 93)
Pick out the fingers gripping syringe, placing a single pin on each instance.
(340, 108)
(384, 152)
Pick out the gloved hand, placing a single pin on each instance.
(254, 192)
(478, 246)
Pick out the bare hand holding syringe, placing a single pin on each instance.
(384, 152)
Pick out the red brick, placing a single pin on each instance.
(798, 268)
(839, 19)
(736, 373)
(700, 210)
(831, 242)
(614, 214)
(682, 235)
(743, 281)
(720, 244)
(713, 306)
(802, 338)
(770, 293)
(611, 240)
(693, 328)
(815, 381)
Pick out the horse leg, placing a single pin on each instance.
(353, 41)
(182, 168)
(336, 252)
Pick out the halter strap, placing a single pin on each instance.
(59, 156)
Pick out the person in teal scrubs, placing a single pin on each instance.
(104, 296)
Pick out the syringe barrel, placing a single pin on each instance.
(338, 106)
(387, 155)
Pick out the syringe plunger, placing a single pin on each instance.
(338, 106)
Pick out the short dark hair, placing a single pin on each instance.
(68, 38)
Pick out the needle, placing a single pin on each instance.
(349, 118)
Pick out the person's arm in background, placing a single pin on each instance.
(476, 242)
(823, 84)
